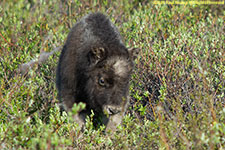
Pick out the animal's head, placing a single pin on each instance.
(108, 77)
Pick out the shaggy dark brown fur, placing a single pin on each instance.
(95, 68)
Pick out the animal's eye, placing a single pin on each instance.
(101, 81)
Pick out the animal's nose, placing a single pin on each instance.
(111, 109)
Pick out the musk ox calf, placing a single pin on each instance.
(95, 68)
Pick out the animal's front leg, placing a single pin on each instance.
(114, 121)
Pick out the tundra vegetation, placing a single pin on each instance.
(177, 88)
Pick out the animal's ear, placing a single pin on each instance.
(96, 54)
(133, 53)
